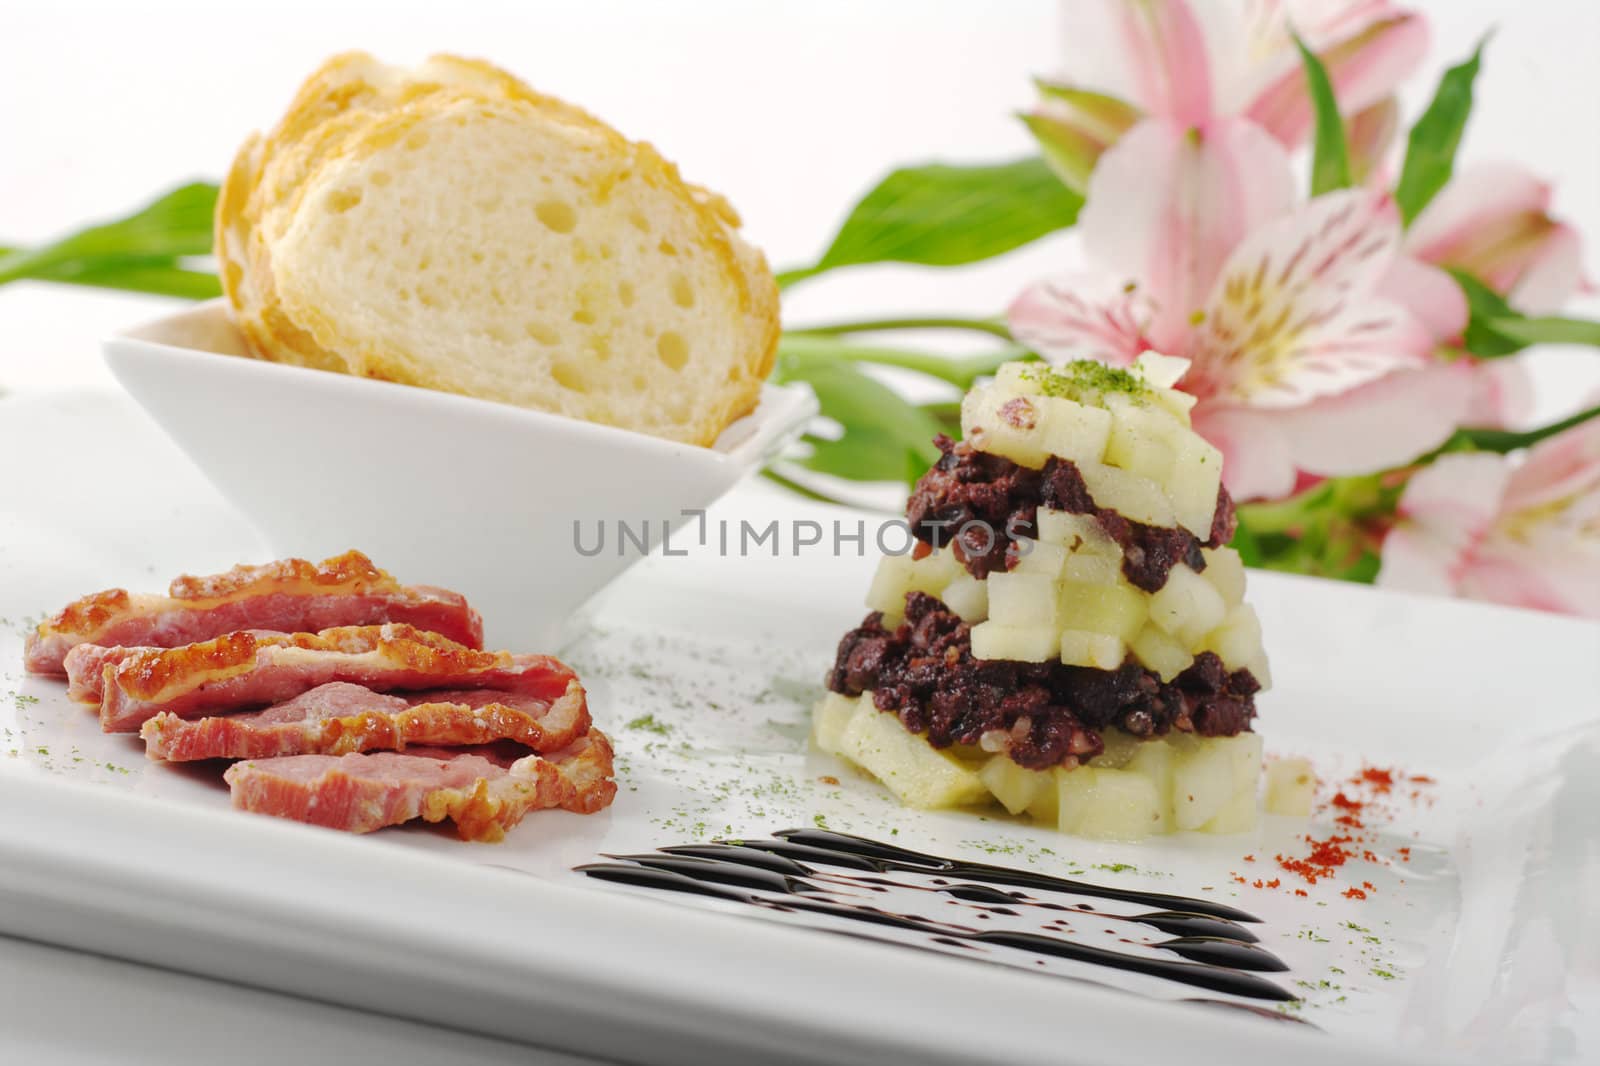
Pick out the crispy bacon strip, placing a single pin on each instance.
(339, 718)
(482, 791)
(252, 670)
(288, 596)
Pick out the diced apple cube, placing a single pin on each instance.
(1237, 640)
(917, 773)
(1260, 670)
(1079, 533)
(1017, 379)
(1160, 370)
(967, 597)
(1291, 787)
(1046, 806)
(1225, 570)
(890, 583)
(1092, 569)
(829, 719)
(1202, 784)
(1120, 610)
(1099, 651)
(1015, 787)
(1160, 653)
(1037, 557)
(1108, 804)
(1133, 497)
(1155, 759)
(1187, 606)
(934, 571)
(1023, 600)
(1025, 644)
(1072, 431)
(1244, 749)
(1074, 795)
(1193, 484)
(1238, 815)
(1177, 403)
(1144, 441)
(1004, 424)
(1119, 749)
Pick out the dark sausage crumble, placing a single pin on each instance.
(983, 503)
(1043, 714)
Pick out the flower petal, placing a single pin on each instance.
(1445, 511)
(1502, 394)
(1477, 195)
(1383, 424)
(1168, 203)
(1256, 463)
(1560, 467)
(1493, 221)
(1370, 134)
(1553, 274)
(1365, 64)
(1431, 296)
(1081, 316)
(1154, 53)
(1074, 126)
(1526, 575)
(1294, 317)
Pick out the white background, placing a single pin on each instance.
(790, 108)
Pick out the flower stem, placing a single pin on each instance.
(991, 326)
(960, 371)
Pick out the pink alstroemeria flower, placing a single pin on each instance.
(1528, 535)
(1493, 221)
(1193, 61)
(1299, 363)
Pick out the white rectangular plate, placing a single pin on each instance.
(1479, 943)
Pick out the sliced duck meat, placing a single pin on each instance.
(252, 670)
(339, 718)
(288, 596)
(484, 791)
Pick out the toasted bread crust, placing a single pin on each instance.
(354, 107)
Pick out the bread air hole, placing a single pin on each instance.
(625, 293)
(542, 333)
(569, 377)
(583, 316)
(640, 222)
(682, 291)
(672, 349)
(558, 215)
(341, 200)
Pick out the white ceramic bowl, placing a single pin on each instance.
(438, 489)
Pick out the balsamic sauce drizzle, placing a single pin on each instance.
(1213, 950)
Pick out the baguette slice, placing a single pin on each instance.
(451, 228)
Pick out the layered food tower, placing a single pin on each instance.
(347, 699)
(1069, 635)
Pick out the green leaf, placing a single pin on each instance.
(1431, 147)
(941, 215)
(1547, 329)
(158, 277)
(1496, 329)
(175, 225)
(885, 437)
(1330, 161)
